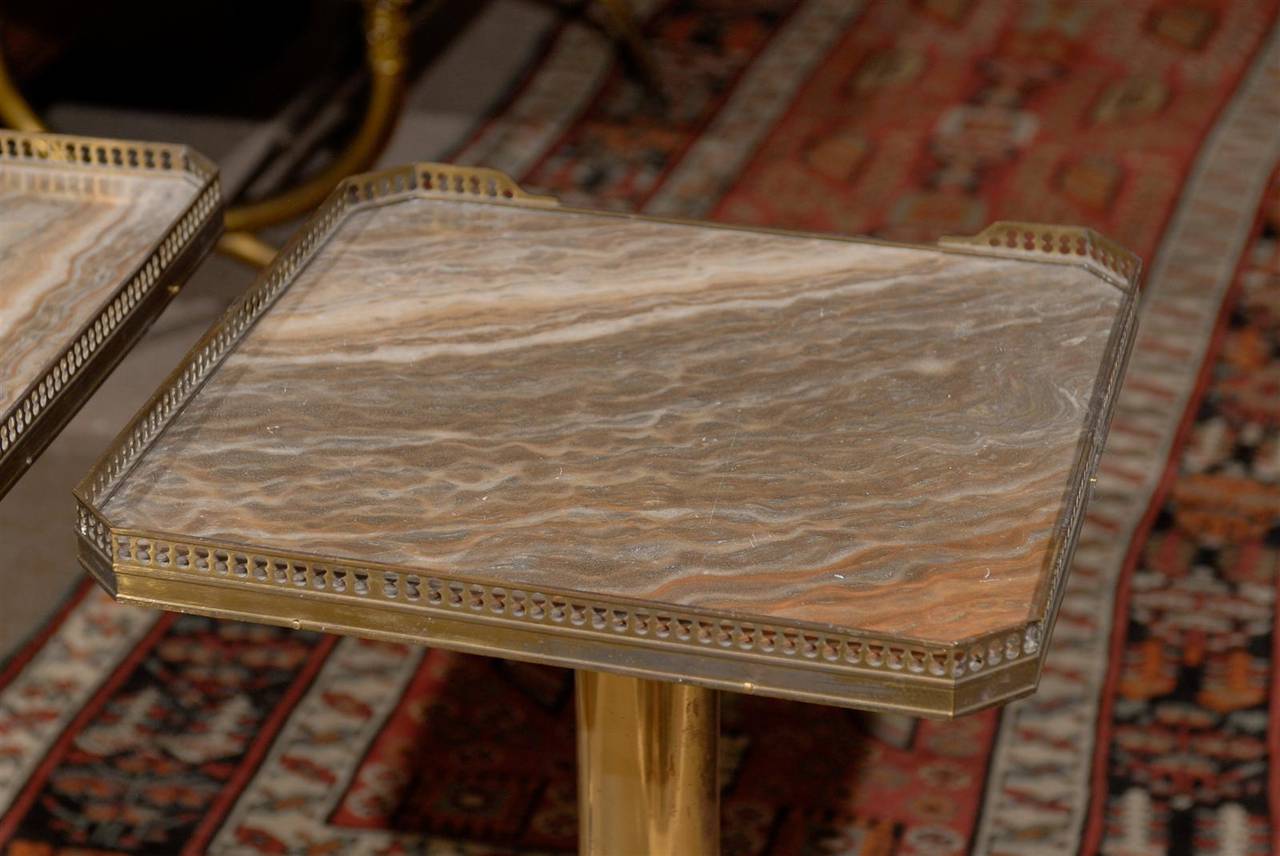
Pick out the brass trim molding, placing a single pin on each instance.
(54, 396)
(328, 578)
(721, 649)
(1067, 244)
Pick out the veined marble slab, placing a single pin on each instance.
(95, 235)
(777, 427)
(67, 241)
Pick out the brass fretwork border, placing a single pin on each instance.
(787, 658)
(61, 387)
(1070, 244)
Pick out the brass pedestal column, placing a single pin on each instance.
(647, 777)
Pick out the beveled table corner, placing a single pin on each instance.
(453, 413)
(95, 237)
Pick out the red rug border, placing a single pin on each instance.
(1095, 820)
(220, 808)
(26, 650)
(21, 804)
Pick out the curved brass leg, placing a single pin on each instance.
(246, 247)
(386, 35)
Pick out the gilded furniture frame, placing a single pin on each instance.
(64, 383)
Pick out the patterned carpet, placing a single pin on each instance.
(1157, 723)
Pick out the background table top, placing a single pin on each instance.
(790, 430)
(83, 226)
(63, 250)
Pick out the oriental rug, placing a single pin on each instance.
(1156, 727)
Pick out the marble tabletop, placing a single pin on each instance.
(71, 236)
(788, 430)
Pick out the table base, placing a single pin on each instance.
(647, 767)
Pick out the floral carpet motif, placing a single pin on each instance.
(1155, 728)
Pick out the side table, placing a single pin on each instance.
(677, 457)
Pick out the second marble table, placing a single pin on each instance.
(676, 457)
(95, 237)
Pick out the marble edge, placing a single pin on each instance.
(790, 679)
(1080, 484)
(1036, 243)
(104, 338)
(962, 660)
(718, 648)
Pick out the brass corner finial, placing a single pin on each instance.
(1064, 244)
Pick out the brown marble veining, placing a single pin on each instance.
(873, 437)
(68, 239)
